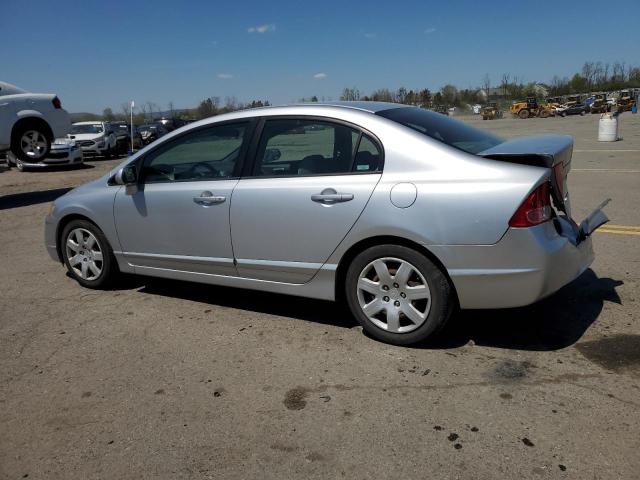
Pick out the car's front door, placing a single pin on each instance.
(310, 181)
(178, 217)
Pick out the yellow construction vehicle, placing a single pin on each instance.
(554, 101)
(600, 104)
(531, 108)
(625, 101)
(491, 111)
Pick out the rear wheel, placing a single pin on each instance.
(523, 113)
(397, 294)
(31, 142)
(87, 254)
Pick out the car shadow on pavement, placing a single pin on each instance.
(317, 311)
(551, 324)
(25, 199)
(556, 322)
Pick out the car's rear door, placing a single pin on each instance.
(310, 181)
(178, 217)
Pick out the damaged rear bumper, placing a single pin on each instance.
(526, 265)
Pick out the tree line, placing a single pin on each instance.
(150, 111)
(592, 77)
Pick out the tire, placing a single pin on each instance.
(87, 253)
(31, 142)
(582, 112)
(544, 114)
(523, 113)
(426, 315)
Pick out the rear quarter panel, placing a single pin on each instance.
(461, 199)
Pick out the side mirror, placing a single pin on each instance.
(127, 175)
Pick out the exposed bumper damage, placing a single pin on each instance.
(526, 265)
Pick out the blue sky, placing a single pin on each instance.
(95, 54)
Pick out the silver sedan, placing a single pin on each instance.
(402, 212)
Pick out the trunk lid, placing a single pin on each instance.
(553, 152)
(550, 151)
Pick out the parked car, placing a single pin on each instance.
(122, 131)
(575, 109)
(64, 151)
(95, 138)
(151, 132)
(123, 136)
(405, 213)
(29, 122)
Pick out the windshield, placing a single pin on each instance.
(442, 128)
(92, 128)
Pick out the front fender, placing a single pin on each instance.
(93, 201)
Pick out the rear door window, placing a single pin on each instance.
(303, 147)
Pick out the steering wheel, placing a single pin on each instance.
(163, 170)
(197, 170)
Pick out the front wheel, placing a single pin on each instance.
(88, 255)
(397, 294)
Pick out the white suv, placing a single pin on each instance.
(29, 122)
(94, 138)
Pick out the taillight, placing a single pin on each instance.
(536, 208)
(56, 102)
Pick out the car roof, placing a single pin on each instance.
(371, 107)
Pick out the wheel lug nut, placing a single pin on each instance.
(403, 295)
(385, 288)
(395, 285)
(396, 303)
(386, 299)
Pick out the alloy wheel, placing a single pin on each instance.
(33, 144)
(394, 295)
(84, 254)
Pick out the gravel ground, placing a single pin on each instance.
(163, 379)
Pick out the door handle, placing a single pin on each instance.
(330, 196)
(207, 198)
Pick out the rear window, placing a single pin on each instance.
(442, 128)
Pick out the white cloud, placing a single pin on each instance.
(267, 27)
(430, 30)
(224, 76)
(370, 35)
(320, 75)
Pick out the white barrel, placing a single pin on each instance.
(608, 128)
